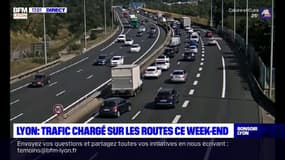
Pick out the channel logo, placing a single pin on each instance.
(20, 13)
(265, 13)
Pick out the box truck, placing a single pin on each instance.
(126, 80)
(186, 22)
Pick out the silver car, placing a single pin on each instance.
(178, 76)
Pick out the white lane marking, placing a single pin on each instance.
(202, 59)
(224, 79)
(176, 118)
(203, 52)
(16, 101)
(66, 67)
(178, 62)
(195, 83)
(16, 116)
(203, 48)
(135, 116)
(191, 92)
(116, 38)
(202, 63)
(185, 104)
(25, 85)
(52, 84)
(200, 68)
(127, 31)
(209, 149)
(89, 77)
(203, 55)
(80, 70)
(150, 46)
(60, 93)
(91, 118)
(198, 75)
(218, 45)
(80, 99)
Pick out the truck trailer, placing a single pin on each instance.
(126, 80)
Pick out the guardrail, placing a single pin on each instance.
(86, 105)
(29, 72)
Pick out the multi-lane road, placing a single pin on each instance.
(76, 78)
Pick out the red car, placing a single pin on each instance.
(209, 34)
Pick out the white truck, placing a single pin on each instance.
(186, 22)
(175, 41)
(126, 80)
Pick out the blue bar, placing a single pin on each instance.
(259, 131)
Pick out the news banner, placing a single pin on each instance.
(148, 130)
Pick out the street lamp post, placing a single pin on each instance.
(112, 14)
(45, 39)
(222, 15)
(246, 33)
(234, 19)
(105, 17)
(211, 21)
(271, 51)
(85, 43)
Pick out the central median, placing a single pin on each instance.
(90, 104)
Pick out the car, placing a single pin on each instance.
(193, 49)
(209, 34)
(129, 42)
(40, 80)
(152, 72)
(142, 29)
(162, 64)
(139, 34)
(194, 43)
(190, 30)
(194, 37)
(152, 29)
(121, 38)
(163, 57)
(179, 75)
(101, 60)
(114, 106)
(177, 32)
(211, 41)
(135, 48)
(189, 56)
(166, 97)
(171, 51)
(117, 60)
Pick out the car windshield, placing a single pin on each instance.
(178, 72)
(128, 39)
(194, 37)
(116, 58)
(121, 36)
(101, 57)
(160, 62)
(135, 45)
(164, 93)
(151, 69)
(39, 76)
(109, 104)
(192, 47)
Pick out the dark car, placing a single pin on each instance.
(166, 97)
(40, 80)
(139, 34)
(171, 51)
(101, 60)
(114, 106)
(209, 34)
(189, 56)
(177, 32)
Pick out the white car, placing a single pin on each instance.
(142, 29)
(178, 76)
(121, 38)
(135, 48)
(212, 41)
(152, 71)
(117, 60)
(193, 49)
(194, 37)
(129, 42)
(163, 58)
(162, 64)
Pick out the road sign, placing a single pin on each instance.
(57, 109)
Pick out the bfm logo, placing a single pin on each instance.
(20, 13)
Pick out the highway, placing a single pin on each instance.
(214, 92)
(75, 78)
